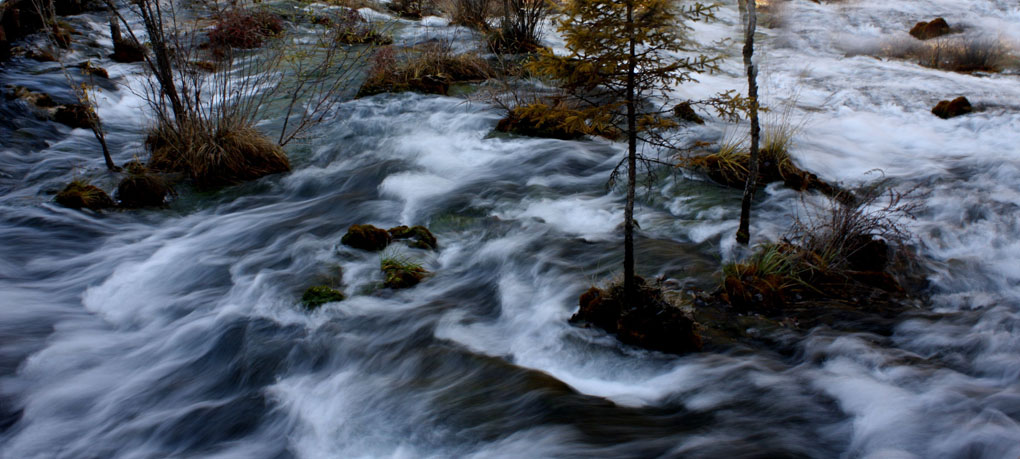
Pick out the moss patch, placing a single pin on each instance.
(319, 295)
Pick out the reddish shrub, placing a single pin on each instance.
(241, 28)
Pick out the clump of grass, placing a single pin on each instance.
(351, 28)
(244, 28)
(214, 154)
(80, 194)
(413, 9)
(401, 271)
(429, 68)
(964, 54)
(837, 251)
(470, 13)
(143, 188)
(319, 295)
(520, 27)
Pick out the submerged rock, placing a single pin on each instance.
(650, 321)
(402, 273)
(948, 109)
(366, 237)
(81, 195)
(420, 236)
(926, 30)
(319, 295)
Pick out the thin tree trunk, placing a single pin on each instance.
(744, 232)
(629, 288)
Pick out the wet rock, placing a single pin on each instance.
(74, 115)
(366, 237)
(142, 188)
(402, 273)
(649, 322)
(684, 112)
(870, 254)
(81, 195)
(926, 30)
(948, 109)
(420, 236)
(319, 295)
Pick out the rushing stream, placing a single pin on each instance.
(177, 332)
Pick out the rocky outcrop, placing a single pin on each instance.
(927, 30)
(366, 237)
(948, 109)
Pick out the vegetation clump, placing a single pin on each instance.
(214, 154)
(351, 28)
(366, 237)
(142, 188)
(648, 320)
(244, 28)
(948, 109)
(413, 9)
(319, 295)
(401, 272)
(926, 30)
(428, 68)
(80, 194)
(849, 252)
(420, 236)
(75, 115)
(556, 119)
(520, 27)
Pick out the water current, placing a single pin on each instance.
(178, 332)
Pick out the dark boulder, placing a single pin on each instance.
(948, 109)
(926, 30)
(649, 321)
(366, 237)
(420, 236)
(75, 116)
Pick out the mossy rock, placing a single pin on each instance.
(649, 321)
(81, 195)
(142, 188)
(366, 237)
(420, 236)
(127, 51)
(949, 109)
(319, 295)
(401, 274)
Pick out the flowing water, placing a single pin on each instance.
(178, 333)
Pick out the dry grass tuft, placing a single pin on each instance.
(429, 68)
(214, 155)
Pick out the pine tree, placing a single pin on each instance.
(622, 62)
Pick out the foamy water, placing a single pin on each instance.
(178, 333)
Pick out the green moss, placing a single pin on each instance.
(319, 295)
(401, 272)
(79, 194)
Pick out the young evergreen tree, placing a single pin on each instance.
(622, 62)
